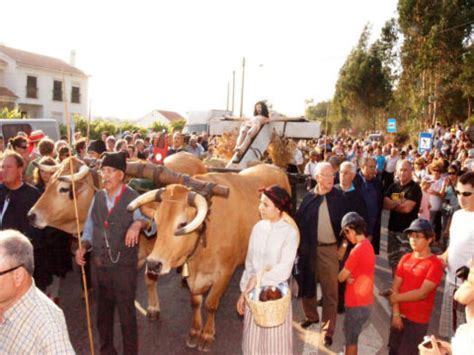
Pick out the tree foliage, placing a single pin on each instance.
(432, 56)
(420, 70)
(364, 88)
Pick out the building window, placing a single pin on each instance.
(31, 87)
(58, 90)
(76, 95)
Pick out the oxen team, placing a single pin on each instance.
(203, 224)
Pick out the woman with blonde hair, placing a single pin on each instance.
(271, 254)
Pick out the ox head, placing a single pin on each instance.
(178, 215)
(55, 207)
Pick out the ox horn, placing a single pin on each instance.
(150, 196)
(46, 168)
(81, 174)
(200, 203)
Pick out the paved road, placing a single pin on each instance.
(168, 334)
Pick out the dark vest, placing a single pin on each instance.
(118, 223)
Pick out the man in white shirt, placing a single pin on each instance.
(390, 167)
(30, 323)
(459, 252)
(310, 170)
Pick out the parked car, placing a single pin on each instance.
(375, 137)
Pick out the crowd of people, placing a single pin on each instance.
(331, 239)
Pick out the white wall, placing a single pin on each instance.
(15, 80)
(147, 120)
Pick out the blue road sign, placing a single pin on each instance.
(425, 142)
(392, 125)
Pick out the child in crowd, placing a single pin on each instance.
(358, 272)
(413, 291)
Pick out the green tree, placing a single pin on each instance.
(157, 126)
(317, 111)
(466, 79)
(178, 125)
(363, 89)
(435, 34)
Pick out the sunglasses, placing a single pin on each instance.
(10, 270)
(451, 173)
(464, 193)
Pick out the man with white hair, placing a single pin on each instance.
(319, 222)
(29, 321)
(355, 202)
(194, 147)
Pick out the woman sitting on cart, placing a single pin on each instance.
(251, 126)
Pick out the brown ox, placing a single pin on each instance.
(211, 250)
(55, 207)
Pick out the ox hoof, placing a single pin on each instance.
(153, 314)
(205, 345)
(192, 341)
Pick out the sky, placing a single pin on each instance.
(179, 55)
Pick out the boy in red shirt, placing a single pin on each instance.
(359, 272)
(417, 276)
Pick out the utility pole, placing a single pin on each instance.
(233, 90)
(228, 98)
(242, 91)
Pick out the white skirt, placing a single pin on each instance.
(265, 341)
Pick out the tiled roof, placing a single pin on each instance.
(171, 116)
(38, 60)
(5, 92)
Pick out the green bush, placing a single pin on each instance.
(6, 113)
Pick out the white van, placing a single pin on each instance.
(10, 127)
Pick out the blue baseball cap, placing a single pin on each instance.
(351, 218)
(420, 225)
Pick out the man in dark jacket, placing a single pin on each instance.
(355, 203)
(371, 188)
(319, 221)
(16, 199)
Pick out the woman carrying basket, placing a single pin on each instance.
(271, 254)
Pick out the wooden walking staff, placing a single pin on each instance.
(73, 185)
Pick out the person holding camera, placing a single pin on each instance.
(458, 254)
(417, 276)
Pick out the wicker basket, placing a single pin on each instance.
(270, 313)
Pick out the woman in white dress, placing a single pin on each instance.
(272, 249)
(251, 126)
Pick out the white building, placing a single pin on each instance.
(34, 84)
(164, 117)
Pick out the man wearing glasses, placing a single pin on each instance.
(319, 221)
(113, 234)
(29, 321)
(458, 254)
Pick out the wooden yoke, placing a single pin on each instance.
(161, 175)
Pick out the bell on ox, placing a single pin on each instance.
(185, 270)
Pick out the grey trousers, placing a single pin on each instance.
(327, 268)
